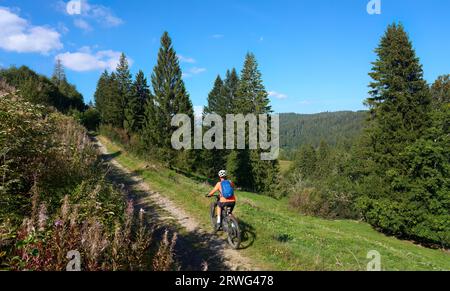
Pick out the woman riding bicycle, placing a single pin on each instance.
(227, 195)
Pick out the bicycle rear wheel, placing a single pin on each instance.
(234, 232)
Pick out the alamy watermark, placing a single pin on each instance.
(258, 137)
(375, 261)
(73, 7)
(74, 264)
(374, 7)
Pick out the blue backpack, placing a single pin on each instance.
(227, 189)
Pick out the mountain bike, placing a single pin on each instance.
(230, 224)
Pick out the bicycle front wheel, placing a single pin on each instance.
(234, 232)
(213, 216)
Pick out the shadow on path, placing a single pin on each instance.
(248, 235)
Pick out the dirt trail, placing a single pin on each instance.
(195, 246)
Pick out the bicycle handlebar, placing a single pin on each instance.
(213, 196)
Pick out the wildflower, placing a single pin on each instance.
(42, 217)
(65, 208)
(141, 215)
(59, 223)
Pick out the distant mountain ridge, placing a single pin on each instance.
(336, 128)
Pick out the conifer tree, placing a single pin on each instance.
(214, 97)
(399, 99)
(223, 95)
(150, 132)
(213, 159)
(113, 113)
(59, 74)
(124, 82)
(170, 98)
(441, 92)
(221, 102)
(100, 96)
(252, 95)
(405, 160)
(306, 161)
(252, 98)
(135, 107)
(230, 88)
(69, 97)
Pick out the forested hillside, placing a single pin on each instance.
(334, 128)
(56, 92)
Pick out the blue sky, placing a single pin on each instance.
(314, 55)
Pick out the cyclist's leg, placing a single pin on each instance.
(232, 205)
(219, 212)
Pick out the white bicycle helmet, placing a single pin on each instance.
(223, 174)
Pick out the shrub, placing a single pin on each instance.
(25, 146)
(116, 135)
(55, 198)
(42, 244)
(163, 260)
(319, 185)
(309, 202)
(91, 119)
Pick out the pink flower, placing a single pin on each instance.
(59, 223)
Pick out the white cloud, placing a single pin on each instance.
(88, 13)
(18, 35)
(218, 36)
(184, 59)
(85, 60)
(194, 71)
(305, 102)
(277, 95)
(83, 24)
(62, 28)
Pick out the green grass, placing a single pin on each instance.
(281, 239)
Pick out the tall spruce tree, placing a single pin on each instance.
(252, 98)
(124, 82)
(252, 95)
(59, 74)
(150, 132)
(170, 98)
(306, 161)
(114, 111)
(213, 159)
(441, 92)
(69, 97)
(404, 162)
(214, 97)
(100, 96)
(136, 102)
(399, 99)
(230, 89)
(221, 102)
